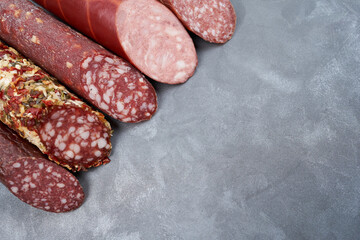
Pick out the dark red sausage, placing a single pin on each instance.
(49, 116)
(33, 178)
(212, 20)
(142, 31)
(105, 80)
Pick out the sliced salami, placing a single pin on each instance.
(105, 80)
(144, 32)
(49, 116)
(33, 178)
(212, 20)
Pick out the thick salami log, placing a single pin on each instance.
(33, 178)
(44, 112)
(212, 20)
(142, 31)
(105, 80)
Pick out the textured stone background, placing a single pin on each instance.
(262, 143)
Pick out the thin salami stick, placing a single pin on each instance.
(34, 179)
(105, 80)
(144, 32)
(212, 20)
(44, 112)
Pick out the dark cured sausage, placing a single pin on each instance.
(33, 178)
(212, 20)
(105, 80)
(142, 31)
(44, 112)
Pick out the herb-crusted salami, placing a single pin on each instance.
(49, 116)
(105, 80)
(144, 32)
(212, 20)
(33, 178)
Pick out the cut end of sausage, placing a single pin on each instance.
(75, 138)
(118, 89)
(212, 20)
(43, 185)
(165, 51)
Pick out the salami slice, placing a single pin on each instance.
(105, 80)
(33, 178)
(49, 116)
(144, 32)
(212, 20)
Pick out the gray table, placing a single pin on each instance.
(262, 143)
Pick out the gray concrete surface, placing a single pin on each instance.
(262, 143)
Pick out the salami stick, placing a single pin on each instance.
(212, 20)
(33, 178)
(44, 112)
(144, 32)
(105, 80)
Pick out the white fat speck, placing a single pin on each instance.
(75, 148)
(35, 175)
(128, 99)
(101, 143)
(35, 39)
(59, 124)
(71, 129)
(52, 133)
(60, 185)
(78, 195)
(151, 106)
(83, 144)
(48, 127)
(32, 185)
(93, 144)
(90, 118)
(127, 119)
(85, 64)
(78, 157)
(69, 65)
(111, 83)
(109, 60)
(180, 64)
(180, 75)
(41, 166)
(63, 201)
(133, 111)
(171, 31)
(16, 165)
(80, 120)
(104, 106)
(27, 179)
(131, 86)
(84, 135)
(97, 153)
(70, 154)
(120, 106)
(47, 207)
(98, 58)
(14, 189)
(25, 187)
(49, 169)
(62, 146)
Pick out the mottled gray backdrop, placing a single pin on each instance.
(262, 143)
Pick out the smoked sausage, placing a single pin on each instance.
(144, 32)
(33, 178)
(212, 20)
(49, 116)
(105, 80)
